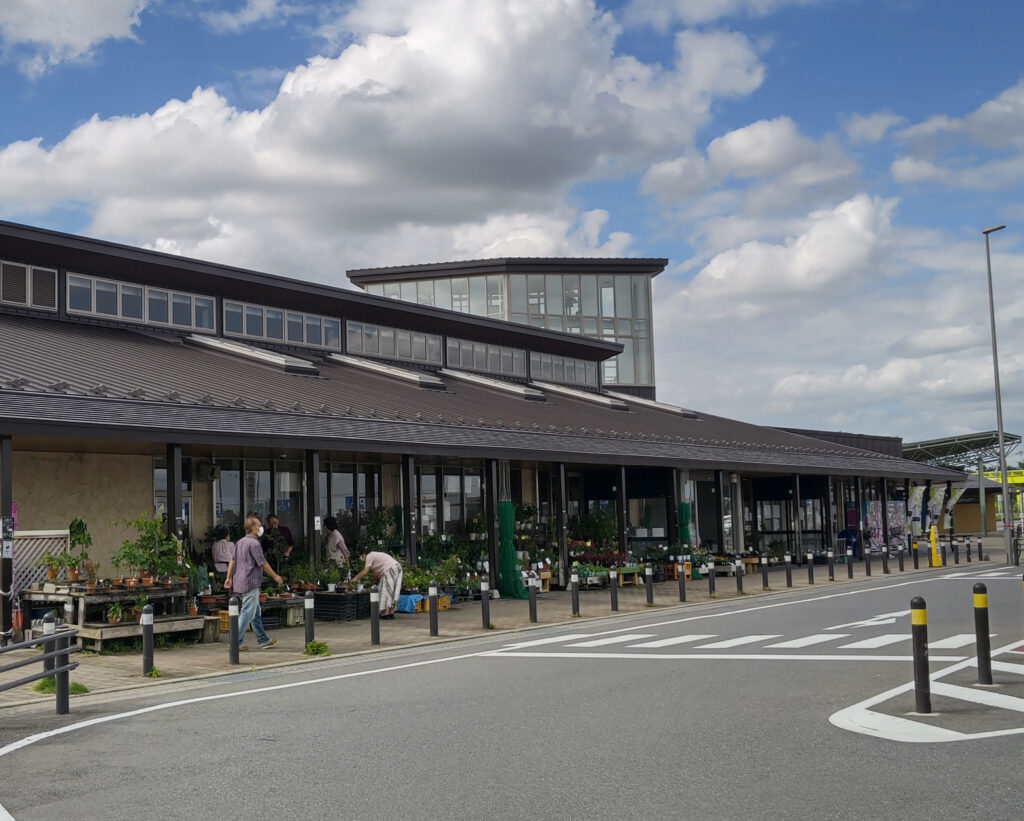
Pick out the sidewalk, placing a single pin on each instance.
(109, 673)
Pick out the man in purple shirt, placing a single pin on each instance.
(245, 572)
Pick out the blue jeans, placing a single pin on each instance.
(250, 613)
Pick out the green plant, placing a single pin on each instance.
(115, 611)
(48, 686)
(153, 549)
(329, 573)
(51, 561)
(380, 526)
(80, 538)
(69, 561)
(140, 601)
(91, 570)
(154, 673)
(197, 579)
(316, 648)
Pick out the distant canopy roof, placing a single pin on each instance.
(510, 265)
(961, 451)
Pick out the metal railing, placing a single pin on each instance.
(56, 649)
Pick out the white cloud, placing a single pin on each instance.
(251, 13)
(40, 34)
(663, 13)
(871, 128)
(911, 169)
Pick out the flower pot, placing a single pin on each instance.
(113, 619)
(72, 574)
(90, 587)
(193, 611)
(51, 573)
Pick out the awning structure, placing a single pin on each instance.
(961, 451)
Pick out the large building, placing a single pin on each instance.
(134, 381)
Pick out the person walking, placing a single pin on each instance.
(245, 572)
(388, 571)
(222, 551)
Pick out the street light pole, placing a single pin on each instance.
(1007, 510)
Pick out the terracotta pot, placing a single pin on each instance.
(193, 611)
(90, 587)
(51, 573)
(112, 620)
(72, 574)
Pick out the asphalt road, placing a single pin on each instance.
(718, 712)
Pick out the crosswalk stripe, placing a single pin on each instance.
(612, 640)
(1007, 667)
(674, 640)
(807, 641)
(875, 641)
(986, 697)
(721, 645)
(959, 640)
(549, 640)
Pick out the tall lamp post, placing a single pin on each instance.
(1007, 510)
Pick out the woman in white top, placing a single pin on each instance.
(336, 547)
(388, 572)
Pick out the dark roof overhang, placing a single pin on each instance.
(511, 265)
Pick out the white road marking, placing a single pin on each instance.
(529, 654)
(1007, 667)
(874, 621)
(613, 640)
(551, 640)
(807, 641)
(676, 640)
(875, 642)
(978, 696)
(4, 815)
(954, 642)
(722, 645)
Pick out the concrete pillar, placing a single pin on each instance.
(562, 511)
(491, 513)
(7, 561)
(622, 512)
(737, 512)
(314, 515)
(798, 547)
(174, 479)
(409, 512)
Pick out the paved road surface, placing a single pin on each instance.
(721, 713)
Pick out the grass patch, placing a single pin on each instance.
(316, 648)
(154, 673)
(48, 686)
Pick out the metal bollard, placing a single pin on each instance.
(711, 578)
(867, 562)
(831, 566)
(375, 615)
(919, 635)
(531, 586)
(885, 560)
(980, 557)
(485, 603)
(574, 587)
(147, 639)
(789, 570)
(233, 630)
(613, 583)
(942, 551)
(899, 559)
(739, 575)
(967, 545)
(810, 568)
(764, 571)
(914, 553)
(49, 642)
(955, 547)
(307, 612)
(849, 563)
(432, 605)
(649, 582)
(981, 634)
(63, 678)
(682, 579)
(69, 613)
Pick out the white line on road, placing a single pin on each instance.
(676, 640)
(722, 645)
(875, 642)
(807, 641)
(1006, 667)
(954, 642)
(874, 621)
(612, 640)
(986, 697)
(527, 654)
(550, 640)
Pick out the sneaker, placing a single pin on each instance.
(270, 643)
(242, 649)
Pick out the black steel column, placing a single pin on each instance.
(885, 515)
(673, 513)
(859, 502)
(562, 512)
(622, 511)
(409, 511)
(830, 532)
(491, 508)
(7, 560)
(924, 508)
(720, 510)
(174, 501)
(313, 511)
(797, 533)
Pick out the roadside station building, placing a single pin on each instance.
(132, 380)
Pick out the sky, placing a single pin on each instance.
(817, 172)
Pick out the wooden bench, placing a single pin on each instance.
(629, 575)
(750, 564)
(206, 628)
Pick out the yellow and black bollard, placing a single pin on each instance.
(919, 635)
(981, 634)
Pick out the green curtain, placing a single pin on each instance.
(684, 522)
(510, 581)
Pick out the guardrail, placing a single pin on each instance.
(56, 649)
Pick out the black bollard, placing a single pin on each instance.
(233, 630)
(307, 612)
(375, 615)
(849, 563)
(915, 555)
(954, 545)
(682, 579)
(980, 557)
(531, 588)
(764, 571)
(885, 560)
(711, 578)
(967, 549)
(613, 584)
(831, 566)
(867, 563)
(147, 639)
(432, 604)
(49, 642)
(739, 575)
(574, 587)
(810, 568)
(899, 559)
(649, 582)
(62, 679)
(942, 551)
(919, 634)
(981, 634)
(485, 603)
(789, 570)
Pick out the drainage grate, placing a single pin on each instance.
(253, 675)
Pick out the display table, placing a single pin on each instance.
(341, 606)
(750, 564)
(630, 575)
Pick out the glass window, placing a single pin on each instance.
(419, 347)
(343, 489)
(181, 310)
(452, 483)
(591, 373)
(608, 371)
(572, 324)
(353, 337)
(460, 295)
(294, 327)
(535, 294)
(590, 325)
(288, 495)
(404, 339)
(425, 292)
(325, 497)
(494, 359)
(427, 485)
(522, 319)
(79, 293)
(506, 360)
(623, 296)
(588, 283)
(467, 354)
(204, 307)
(275, 324)
(495, 296)
(443, 294)
(408, 290)
(555, 322)
(643, 362)
(453, 352)
(257, 487)
(387, 341)
(371, 341)
(570, 370)
(314, 334)
(519, 362)
(517, 293)
(571, 294)
(159, 310)
(558, 369)
(625, 368)
(624, 326)
(232, 318)
(131, 301)
(641, 296)
(553, 290)
(392, 291)
(478, 296)
(434, 349)
(227, 493)
(545, 366)
(106, 297)
(375, 288)
(606, 290)
(473, 489)
(253, 321)
(479, 356)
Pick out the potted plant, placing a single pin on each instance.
(140, 601)
(52, 562)
(152, 550)
(69, 561)
(115, 612)
(91, 570)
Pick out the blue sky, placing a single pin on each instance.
(817, 171)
